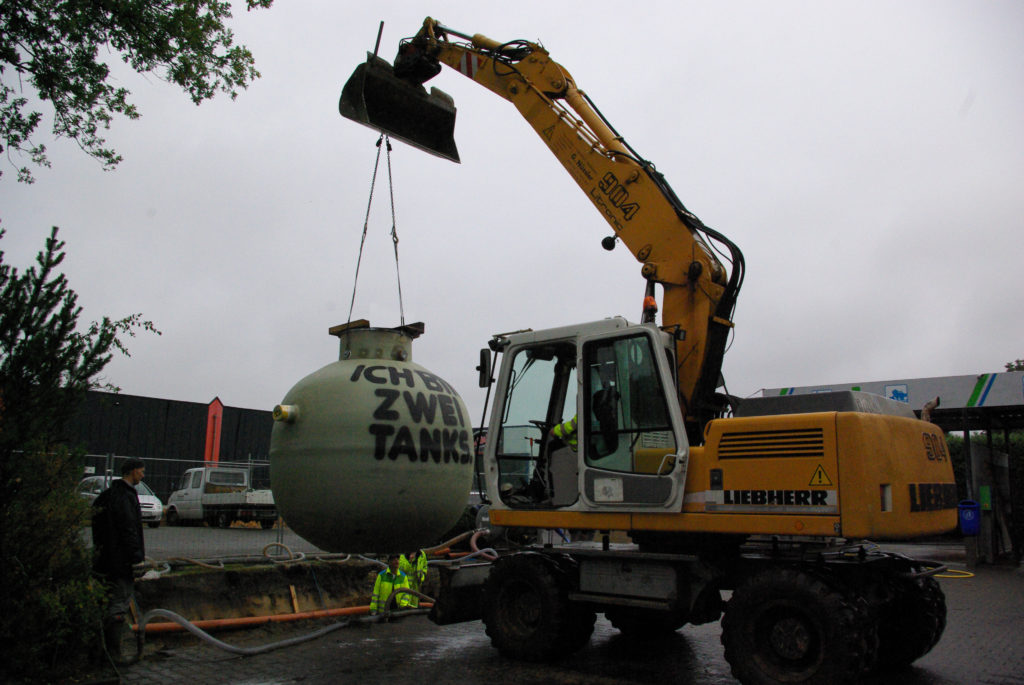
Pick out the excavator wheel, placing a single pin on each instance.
(527, 613)
(910, 622)
(788, 626)
(645, 623)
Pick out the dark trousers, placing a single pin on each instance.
(120, 592)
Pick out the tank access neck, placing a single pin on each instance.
(361, 341)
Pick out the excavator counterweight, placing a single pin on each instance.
(374, 96)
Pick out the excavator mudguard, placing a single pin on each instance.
(375, 97)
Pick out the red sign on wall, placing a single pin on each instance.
(214, 414)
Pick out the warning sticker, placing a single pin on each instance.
(820, 477)
(470, 64)
(608, 490)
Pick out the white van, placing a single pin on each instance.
(152, 507)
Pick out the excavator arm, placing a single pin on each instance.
(674, 247)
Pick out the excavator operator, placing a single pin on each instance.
(567, 433)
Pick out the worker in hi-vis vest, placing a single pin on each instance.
(566, 432)
(415, 567)
(389, 580)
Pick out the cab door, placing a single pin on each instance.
(187, 499)
(634, 451)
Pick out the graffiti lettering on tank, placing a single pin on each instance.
(424, 400)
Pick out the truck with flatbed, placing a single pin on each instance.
(764, 513)
(219, 496)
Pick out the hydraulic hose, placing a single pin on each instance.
(444, 545)
(488, 553)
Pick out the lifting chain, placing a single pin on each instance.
(382, 142)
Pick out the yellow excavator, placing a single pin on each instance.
(771, 502)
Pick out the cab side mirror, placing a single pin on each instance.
(485, 368)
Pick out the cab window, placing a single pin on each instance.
(627, 426)
(227, 477)
(541, 393)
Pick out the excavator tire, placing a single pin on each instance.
(787, 626)
(645, 622)
(910, 622)
(527, 613)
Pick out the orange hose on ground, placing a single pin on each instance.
(248, 621)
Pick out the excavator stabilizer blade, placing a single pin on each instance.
(375, 97)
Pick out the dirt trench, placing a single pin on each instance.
(259, 590)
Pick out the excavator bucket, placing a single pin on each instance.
(375, 97)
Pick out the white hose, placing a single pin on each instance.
(372, 561)
(487, 553)
(291, 555)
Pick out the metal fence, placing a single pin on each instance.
(163, 476)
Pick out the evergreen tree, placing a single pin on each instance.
(50, 607)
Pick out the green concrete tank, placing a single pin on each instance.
(372, 453)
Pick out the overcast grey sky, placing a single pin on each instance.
(867, 157)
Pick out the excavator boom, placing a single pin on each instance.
(674, 247)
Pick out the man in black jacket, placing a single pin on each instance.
(117, 537)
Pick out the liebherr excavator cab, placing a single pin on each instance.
(631, 449)
(846, 465)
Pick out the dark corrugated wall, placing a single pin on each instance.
(157, 430)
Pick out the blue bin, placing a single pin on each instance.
(970, 517)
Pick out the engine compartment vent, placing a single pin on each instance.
(797, 442)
